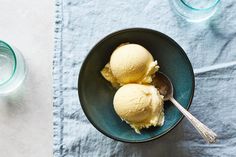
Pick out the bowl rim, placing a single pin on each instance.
(182, 52)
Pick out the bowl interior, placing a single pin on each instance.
(96, 94)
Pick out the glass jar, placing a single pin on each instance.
(195, 10)
(12, 68)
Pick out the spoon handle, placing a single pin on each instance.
(204, 131)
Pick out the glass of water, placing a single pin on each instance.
(195, 10)
(12, 68)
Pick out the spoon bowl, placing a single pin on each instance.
(164, 85)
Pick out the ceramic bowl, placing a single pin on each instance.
(96, 94)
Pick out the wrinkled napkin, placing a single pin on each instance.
(210, 46)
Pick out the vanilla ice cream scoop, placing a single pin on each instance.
(130, 63)
(141, 106)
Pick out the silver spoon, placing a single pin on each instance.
(165, 87)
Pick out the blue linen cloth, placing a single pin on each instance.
(210, 46)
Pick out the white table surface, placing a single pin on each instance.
(26, 116)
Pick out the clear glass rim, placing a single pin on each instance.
(201, 9)
(15, 62)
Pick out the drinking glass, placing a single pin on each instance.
(195, 10)
(12, 68)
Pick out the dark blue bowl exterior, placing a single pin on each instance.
(96, 94)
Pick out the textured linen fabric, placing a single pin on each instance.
(210, 46)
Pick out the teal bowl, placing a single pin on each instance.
(96, 94)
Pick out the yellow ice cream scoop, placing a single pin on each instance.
(141, 106)
(130, 63)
